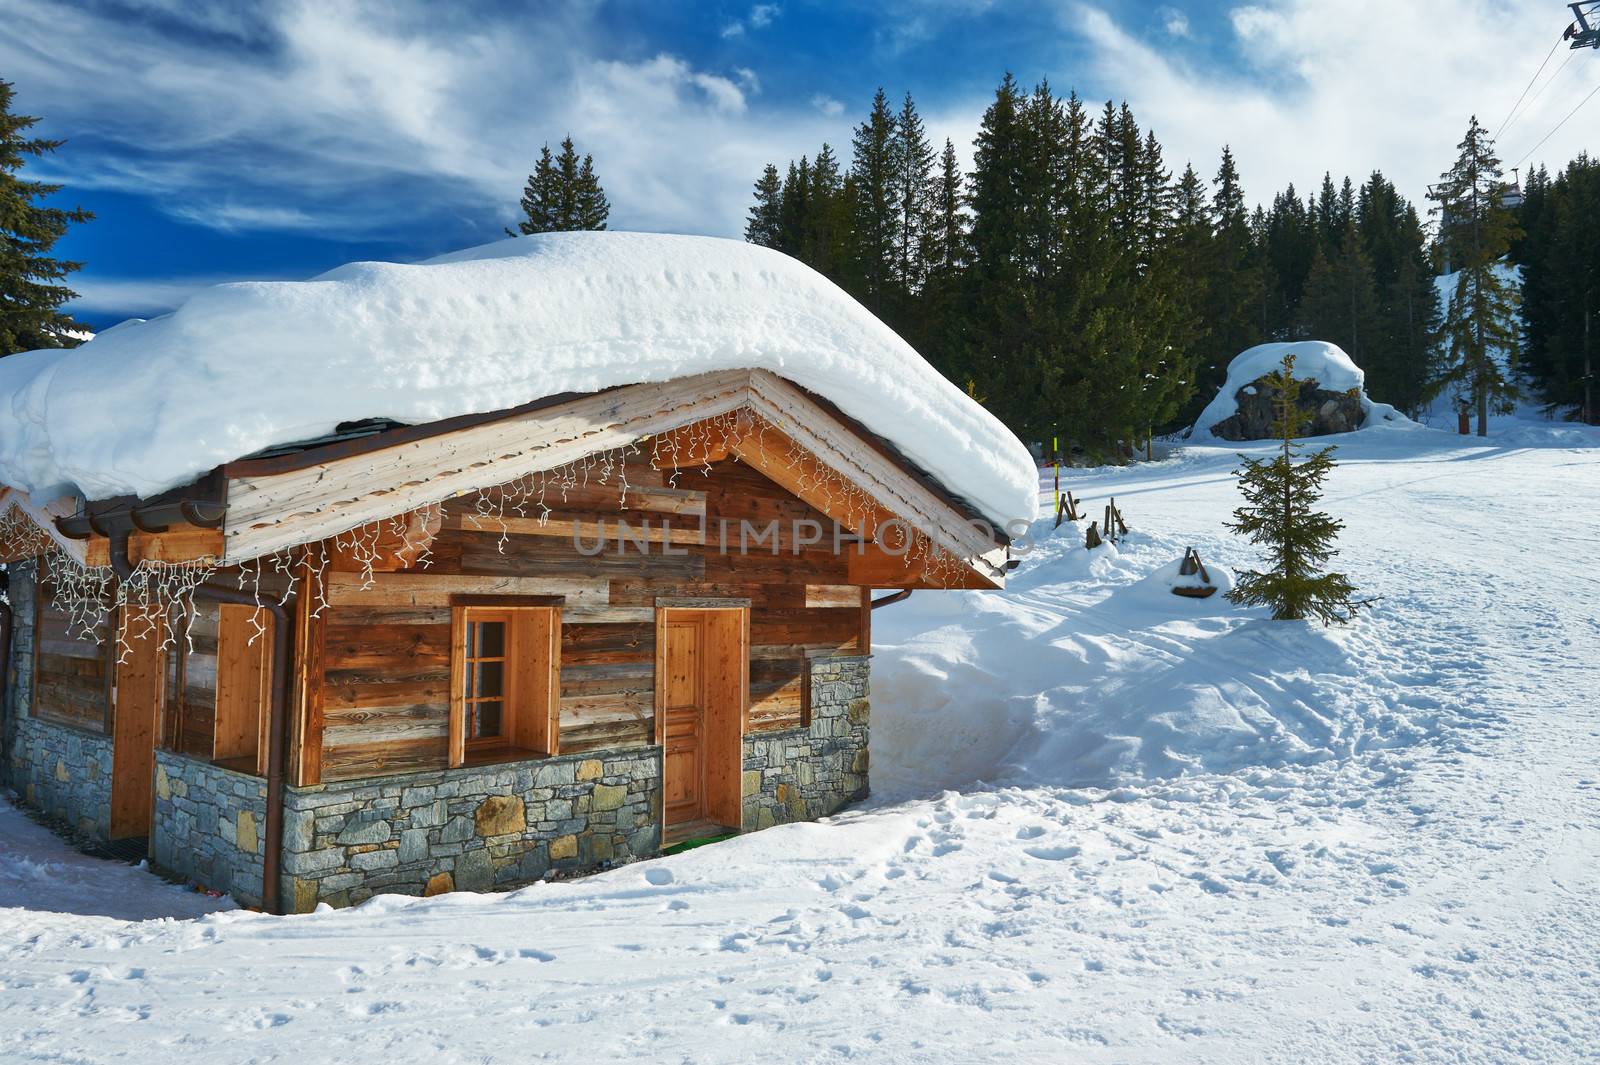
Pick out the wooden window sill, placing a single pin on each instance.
(481, 756)
(245, 764)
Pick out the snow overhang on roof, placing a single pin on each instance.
(241, 368)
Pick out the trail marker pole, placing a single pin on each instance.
(1055, 452)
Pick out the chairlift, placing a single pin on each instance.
(1585, 29)
(1511, 194)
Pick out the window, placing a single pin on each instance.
(71, 669)
(505, 692)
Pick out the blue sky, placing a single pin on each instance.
(229, 141)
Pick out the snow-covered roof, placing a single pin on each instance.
(150, 405)
(1314, 360)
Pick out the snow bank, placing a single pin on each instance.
(1314, 360)
(149, 405)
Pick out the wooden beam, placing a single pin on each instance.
(805, 447)
(437, 589)
(267, 513)
(186, 543)
(896, 491)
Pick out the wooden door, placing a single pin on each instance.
(683, 752)
(703, 695)
(138, 692)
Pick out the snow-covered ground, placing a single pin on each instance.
(1174, 831)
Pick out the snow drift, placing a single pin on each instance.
(149, 405)
(1314, 360)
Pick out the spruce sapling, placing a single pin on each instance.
(1280, 496)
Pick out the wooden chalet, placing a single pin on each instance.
(472, 653)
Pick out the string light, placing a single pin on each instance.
(91, 595)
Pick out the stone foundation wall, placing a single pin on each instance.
(806, 773)
(209, 825)
(65, 773)
(471, 829)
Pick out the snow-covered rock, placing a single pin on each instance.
(1334, 395)
(148, 405)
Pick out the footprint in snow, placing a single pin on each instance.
(1052, 854)
(1030, 832)
(658, 877)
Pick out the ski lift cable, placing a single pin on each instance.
(1517, 116)
(1526, 87)
(1563, 122)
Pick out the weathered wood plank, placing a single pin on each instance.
(833, 595)
(594, 644)
(379, 759)
(434, 590)
(271, 512)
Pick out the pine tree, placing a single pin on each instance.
(765, 220)
(1231, 281)
(794, 214)
(1560, 256)
(30, 301)
(1290, 247)
(1340, 304)
(997, 300)
(913, 184)
(824, 229)
(948, 229)
(1476, 232)
(1398, 355)
(1280, 496)
(943, 303)
(563, 194)
(873, 219)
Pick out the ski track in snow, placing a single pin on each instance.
(1174, 831)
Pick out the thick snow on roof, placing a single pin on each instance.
(1314, 360)
(149, 405)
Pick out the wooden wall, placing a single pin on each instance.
(382, 705)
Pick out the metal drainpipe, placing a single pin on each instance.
(898, 597)
(5, 659)
(278, 724)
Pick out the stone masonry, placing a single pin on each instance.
(471, 829)
(64, 772)
(209, 825)
(805, 773)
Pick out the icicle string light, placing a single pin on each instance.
(91, 595)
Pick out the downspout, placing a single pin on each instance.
(897, 597)
(5, 660)
(278, 723)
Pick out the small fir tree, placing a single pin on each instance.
(563, 194)
(1280, 499)
(30, 298)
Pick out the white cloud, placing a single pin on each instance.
(339, 110)
(1175, 22)
(231, 216)
(827, 105)
(759, 17)
(1346, 86)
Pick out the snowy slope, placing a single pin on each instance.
(1176, 831)
(147, 406)
(1315, 360)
